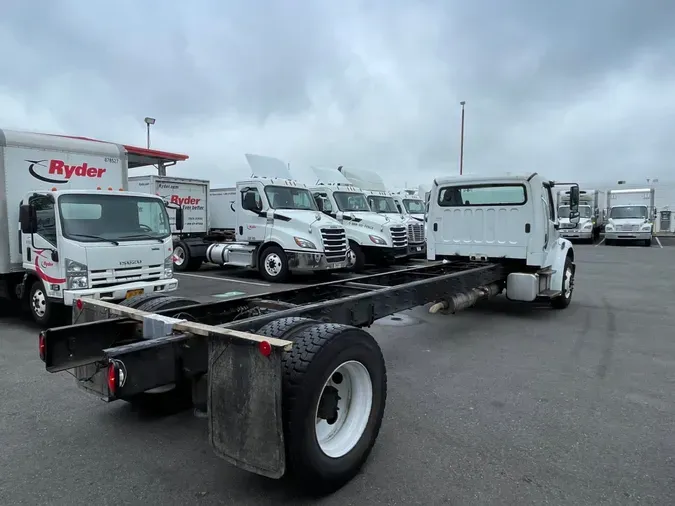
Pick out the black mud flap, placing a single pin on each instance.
(244, 406)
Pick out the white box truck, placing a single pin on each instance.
(630, 215)
(381, 201)
(68, 228)
(192, 196)
(276, 225)
(592, 214)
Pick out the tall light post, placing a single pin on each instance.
(461, 141)
(148, 122)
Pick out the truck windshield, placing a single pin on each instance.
(349, 201)
(629, 212)
(584, 212)
(382, 204)
(414, 206)
(287, 197)
(100, 217)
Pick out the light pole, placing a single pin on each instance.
(148, 122)
(461, 141)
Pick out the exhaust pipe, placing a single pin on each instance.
(466, 300)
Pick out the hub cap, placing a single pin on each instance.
(568, 283)
(344, 409)
(273, 264)
(178, 256)
(39, 302)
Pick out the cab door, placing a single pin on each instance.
(39, 250)
(251, 213)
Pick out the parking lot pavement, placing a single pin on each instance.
(501, 404)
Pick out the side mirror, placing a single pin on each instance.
(179, 219)
(28, 219)
(574, 217)
(574, 198)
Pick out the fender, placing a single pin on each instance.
(562, 249)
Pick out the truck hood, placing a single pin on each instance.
(582, 221)
(627, 221)
(372, 218)
(305, 217)
(125, 256)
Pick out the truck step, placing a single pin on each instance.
(550, 293)
(546, 271)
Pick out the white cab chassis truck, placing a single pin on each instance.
(374, 238)
(630, 216)
(313, 381)
(591, 214)
(511, 220)
(381, 201)
(408, 202)
(192, 196)
(276, 224)
(68, 229)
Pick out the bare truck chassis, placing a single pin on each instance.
(265, 367)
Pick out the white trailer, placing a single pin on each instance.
(630, 215)
(373, 238)
(592, 214)
(381, 201)
(276, 225)
(69, 229)
(192, 196)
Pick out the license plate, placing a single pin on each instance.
(133, 293)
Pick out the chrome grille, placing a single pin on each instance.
(628, 228)
(334, 244)
(109, 277)
(399, 237)
(415, 233)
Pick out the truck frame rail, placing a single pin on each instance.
(357, 301)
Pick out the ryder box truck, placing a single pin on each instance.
(68, 228)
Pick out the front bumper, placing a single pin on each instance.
(302, 261)
(577, 234)
(122, 291)
(619, 235)
(417, 250)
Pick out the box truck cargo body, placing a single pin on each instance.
(68, 228)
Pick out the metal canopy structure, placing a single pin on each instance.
(141, 157)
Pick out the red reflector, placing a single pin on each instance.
(41, 346)
(112, 378)
(265, 348)
(79, 304)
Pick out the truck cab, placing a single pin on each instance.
(630, 216)
(277, 225)
(408, 202)
(108, 245)
(509, 219)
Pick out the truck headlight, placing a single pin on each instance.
(377, 240)
(168, 267)
(647, 227)
(76, 275)
(304, 243)
(588, 226)
(609, 227)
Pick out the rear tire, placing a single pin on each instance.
(334, 387)
(169, 399)
(563, 301)
(138, 300)
(183, 259)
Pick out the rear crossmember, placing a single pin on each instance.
(243, 350)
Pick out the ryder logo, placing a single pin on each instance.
(58, 172)
(184, 201)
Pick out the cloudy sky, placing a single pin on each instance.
(573, 89)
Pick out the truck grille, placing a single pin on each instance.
(334, 243)
(628, 228)
(415, 233)
(109, 277)
(399, 237)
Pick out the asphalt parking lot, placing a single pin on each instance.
(501, 404)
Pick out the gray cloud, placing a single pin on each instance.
(573, 90)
